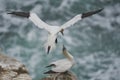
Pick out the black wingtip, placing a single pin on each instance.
(52, 65)
(91, 13)
(21, 14)
(10, 13)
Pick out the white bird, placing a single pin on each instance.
(53, 30)
(63, 65)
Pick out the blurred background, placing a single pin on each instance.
(94, 41)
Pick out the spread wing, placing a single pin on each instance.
(79, 17)
(33, 17)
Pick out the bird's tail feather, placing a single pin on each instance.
(50, 72)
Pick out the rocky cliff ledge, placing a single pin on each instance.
(11, 69)
(63, 76)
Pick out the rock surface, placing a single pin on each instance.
(11, 69)
(63, 76)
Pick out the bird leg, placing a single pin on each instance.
(57, 74)
(56, 41)
(48, 50)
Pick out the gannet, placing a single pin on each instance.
(52, 30)
(63, 65)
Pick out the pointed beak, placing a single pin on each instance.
(62, 31)
(48, 50)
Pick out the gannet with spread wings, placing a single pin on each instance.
(53, 30)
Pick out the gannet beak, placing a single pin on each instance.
(48, 50)
(62, 31)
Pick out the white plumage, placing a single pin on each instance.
(62, 65)
(53, 30)
(72, 21)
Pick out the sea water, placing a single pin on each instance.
(94, 42)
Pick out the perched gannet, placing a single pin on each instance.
(62, 65)
(53, 30)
